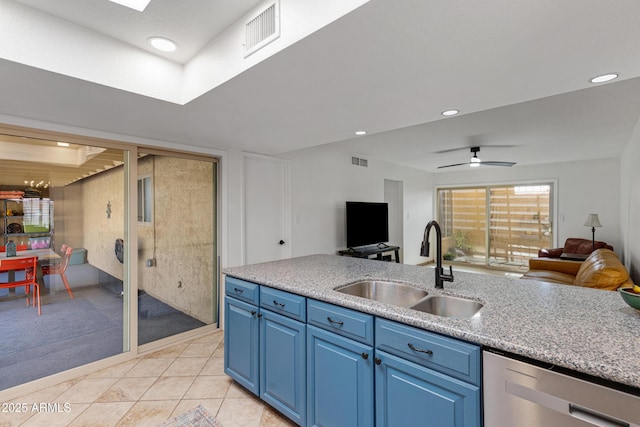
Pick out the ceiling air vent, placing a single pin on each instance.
(262, 29)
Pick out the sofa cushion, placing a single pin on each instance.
(550, 276)
(602, 270)
(582, 246)
(555, 265)
(574, 245)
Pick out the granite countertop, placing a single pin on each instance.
(585, 330)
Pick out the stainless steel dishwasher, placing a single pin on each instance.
(520, 394)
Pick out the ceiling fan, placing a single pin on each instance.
(475, 161)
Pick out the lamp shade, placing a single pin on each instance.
(592, 221)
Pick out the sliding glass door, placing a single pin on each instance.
(502, 225)
(65, 204)
(177, 253)
(71, 203)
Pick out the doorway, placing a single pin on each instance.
(177, 252)
(81, 192)
(496, 226)
(64, 203)
(266, 205)
(393, 196)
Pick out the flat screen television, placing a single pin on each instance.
(367, 223)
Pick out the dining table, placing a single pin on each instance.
(45, 256)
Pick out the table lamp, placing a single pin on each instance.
(593, 222)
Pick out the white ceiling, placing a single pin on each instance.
(191, 23)
(517, 69)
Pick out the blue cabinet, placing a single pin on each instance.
(265, 345)
(241, 343)
(321, 364)
(282, 365)
(420, 380)
(410, 394)
(340, 386)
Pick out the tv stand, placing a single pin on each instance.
(377, 250)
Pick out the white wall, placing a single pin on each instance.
(323, 179)
(630, 204)
(584, 187)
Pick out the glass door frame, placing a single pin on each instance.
(216, 227)
(130, 236)
(553, 205)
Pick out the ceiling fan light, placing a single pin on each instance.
(139, 5)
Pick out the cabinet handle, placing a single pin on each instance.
(412, 347)
(377, 361)
(238, 291)
(259, 315)
(365, 355)
(277, 304)
(337, 322)
(253, 312)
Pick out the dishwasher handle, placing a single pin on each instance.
(595, 417)
(563, 406)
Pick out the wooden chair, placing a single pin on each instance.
(60, 269)
(29, 266)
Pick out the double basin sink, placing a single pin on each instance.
(402, 295)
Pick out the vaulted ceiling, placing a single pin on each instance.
(518, 71)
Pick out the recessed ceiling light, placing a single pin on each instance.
(361, 132)
(450, 112)
(604, 78)
(63, 144)
(138, 5)
(163, 44)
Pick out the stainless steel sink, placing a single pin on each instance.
(388, 292)
(448, 306)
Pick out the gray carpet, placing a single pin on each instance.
(71, 333)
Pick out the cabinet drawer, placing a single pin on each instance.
(343, 321)
(450, 356)
(285, 303)
(242, 290)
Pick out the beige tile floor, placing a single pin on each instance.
(147, 391)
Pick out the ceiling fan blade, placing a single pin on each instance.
(490, 163)
(449, 150)
(448, 166)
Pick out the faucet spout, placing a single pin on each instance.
(441, 276)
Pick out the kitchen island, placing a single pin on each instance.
(584, 330)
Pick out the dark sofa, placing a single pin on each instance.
(573, 246)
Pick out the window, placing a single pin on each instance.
(501, 225)
(145, 199)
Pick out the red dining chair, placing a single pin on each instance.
(28, 265)
(54, 261)
(18, 248)
(60, 269)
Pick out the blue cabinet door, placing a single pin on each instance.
(409, 394)
(283, 365)
(241, 343)
(339, 381)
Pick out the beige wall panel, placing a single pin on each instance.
(183, 276)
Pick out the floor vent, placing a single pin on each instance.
(357, 161)
(262, 29)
